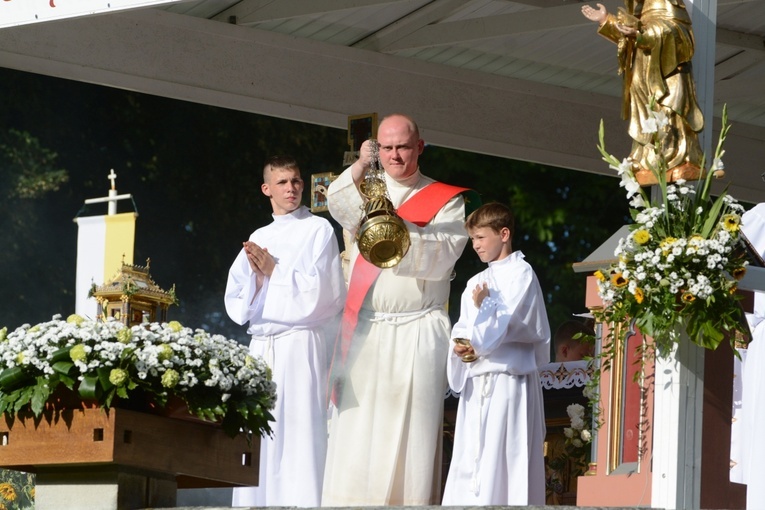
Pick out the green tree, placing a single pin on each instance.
(29, 173)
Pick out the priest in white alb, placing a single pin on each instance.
(385, 439)
(287, 282)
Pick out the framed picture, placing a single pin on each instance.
(319, 185)
(360, 128)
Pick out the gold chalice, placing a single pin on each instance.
(469, 357)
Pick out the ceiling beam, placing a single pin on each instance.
(502, 25)
(250, 12)
(241, 9)
(732, 67)
(567, 16)
(740, 40)
(424, 16)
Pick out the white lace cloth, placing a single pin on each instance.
(567, 374)
(560, 375)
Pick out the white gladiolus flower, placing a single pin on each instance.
(629, 183)
(624, 167)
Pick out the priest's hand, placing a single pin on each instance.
(364, 163)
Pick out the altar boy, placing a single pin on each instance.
(501, 338)
(288, 284)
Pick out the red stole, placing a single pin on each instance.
(420, 210)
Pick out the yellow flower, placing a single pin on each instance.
(118, 376)
(7, 492)
(599, 275)
(165, 352)
(739, 273)
(175, 326)
(665, 244)
(75, 319)
(3, 334)
(688, 297)
(731, 222)
(617, 280)
(733, 289)
(124, 335)
(170, 378)
(638, 295)
(641, 236)
(78, 353)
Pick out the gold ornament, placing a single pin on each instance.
(382, 237)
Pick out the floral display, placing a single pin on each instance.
(17, 490)
(569, 456)
(578, 435)
(148, 364)
(678, 268)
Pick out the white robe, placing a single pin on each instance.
(498, 456)
(753, 393)
(385, 439)
(292, 319)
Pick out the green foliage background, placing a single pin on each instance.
(195, 174)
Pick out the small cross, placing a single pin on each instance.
(112, 177)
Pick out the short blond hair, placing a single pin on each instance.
(493, 215)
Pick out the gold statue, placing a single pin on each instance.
(654, 47)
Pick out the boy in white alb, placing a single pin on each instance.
(287, 282)
(498, 454)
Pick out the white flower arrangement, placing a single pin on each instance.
(679, 266)
(109, 363)
(578, 435)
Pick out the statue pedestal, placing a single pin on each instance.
(120, 459)
(692, 429)
(677, 421)
(686, 171)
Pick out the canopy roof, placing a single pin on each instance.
(527, 79)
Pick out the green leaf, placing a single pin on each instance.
(61, 354)
(103, 377)
(24, 395)
(40, 393)
(89, 388)
(63, 367)
(11, 378)
(713, 217)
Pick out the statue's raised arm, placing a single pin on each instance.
(655, 45)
